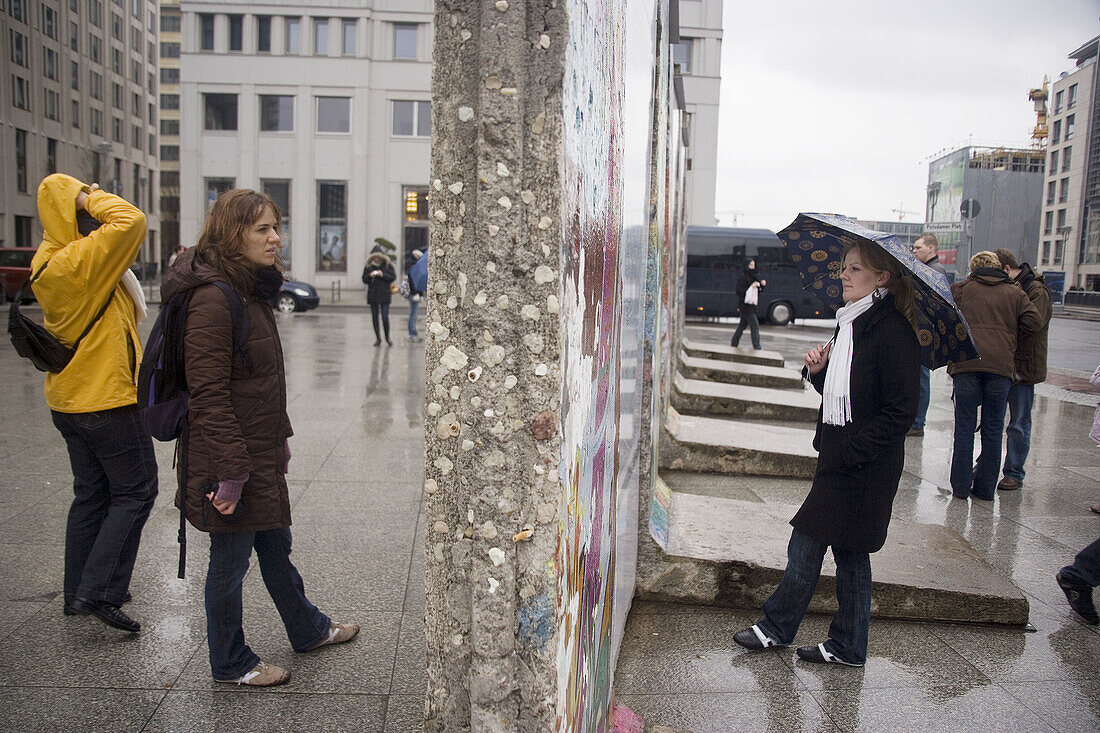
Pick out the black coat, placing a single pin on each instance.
(859, 464)
(378, 287)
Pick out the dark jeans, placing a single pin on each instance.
(414, 305)
(785, 608)
(230, 656)
(925, 398)
(1086, 566)
(748, 318)
(382, 309)
(1020, 399)
(991, 392)
(114, 487)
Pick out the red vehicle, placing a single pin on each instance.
(15, 269)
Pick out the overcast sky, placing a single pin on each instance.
(837, 105)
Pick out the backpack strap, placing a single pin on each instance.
(238, 313)
(29, 281)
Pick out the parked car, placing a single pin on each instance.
(295, 295)
(15, 269)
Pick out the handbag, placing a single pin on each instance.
(34, 342)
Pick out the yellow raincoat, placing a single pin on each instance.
(71, 290)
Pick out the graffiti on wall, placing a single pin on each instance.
(606, 140)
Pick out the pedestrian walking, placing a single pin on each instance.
(82, 279)
(748, 294)
(998, 312)
(378, 273)
(232, 475)
(1029, 369)
(869, 382)
(927, 250)
(415, 295)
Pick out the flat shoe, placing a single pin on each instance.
(262, 675)
(820, 655)
(337, 634)
(754, 638)
(1009, 484)
(105, 612)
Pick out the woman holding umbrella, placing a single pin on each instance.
(869, 379)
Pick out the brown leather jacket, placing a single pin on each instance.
(237, 416)
(998, 313)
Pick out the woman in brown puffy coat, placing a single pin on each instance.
(233, 473)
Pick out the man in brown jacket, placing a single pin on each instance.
(997, 311)
(1031, 369)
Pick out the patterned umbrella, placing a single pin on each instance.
(815, 242)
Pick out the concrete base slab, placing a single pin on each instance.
(721, 352)
(731, 372)
(728, 552)
(699, 397)
(692, 443)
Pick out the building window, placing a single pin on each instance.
(135, 8)
(135, 71)
(1048, 222)
(681, 54)
(95, 12)
(135, 136)
(52, 103)
(116, 129)
(20, 93)
(332, 226)
(415, 216)
(279, 191)
(276, 113)
(17, 10)
(76, 114)
(1053, 161)
(23, 237)
(151, 80)
(1061, 220)
(236, 32)
(96, 84)
(1056, 133)
(169, 50)
(1050, 192)
(1059, 250)
(169, 152)
(1070, 119)
(206, 32)
(333, 114)
(1063, 191)
(263, 34)
(215, 187)
(169, 76)
(116, 95)
(74, 36)
(116, 26)
(349, 36)
(49, 63)
(169, 101)
(170, 179)
(150, 52)
(74, 76)
(169, 127)
(49, 21)
(1071, 101)
(412, 118)
(21, 161)
(1067, 156)
(320, 36)
(169, 23)
(220, 111)
(152, 113)
(97, 121)
(116, 60)
(293, 27)
(19, 49)
(404, 40)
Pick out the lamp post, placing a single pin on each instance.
(1069, 264)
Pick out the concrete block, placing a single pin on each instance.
(721, 352)
(728, 552)
(700, 397)
(692, 443)
(731, 372)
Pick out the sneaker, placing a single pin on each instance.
(262, 675)
(1079, 595)
(1009, 484)
(915, 433)
(337, 634)
(754, 638)
(820, 655)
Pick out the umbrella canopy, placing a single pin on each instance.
(418, 274)
(816, 241)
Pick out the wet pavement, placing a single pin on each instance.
(356, 478)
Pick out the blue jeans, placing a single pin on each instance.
(414, 306)
(748, 318)
(786, 607)
(925, 397)
(1086, 566)
(383, 310)
(230, 656)
(114, 487)
(991, 392)
(1020, 399)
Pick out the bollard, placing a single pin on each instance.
(335, 290)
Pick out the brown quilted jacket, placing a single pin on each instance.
(237, 416)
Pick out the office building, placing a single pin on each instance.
(699, 56)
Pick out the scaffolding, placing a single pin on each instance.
(1016, 160)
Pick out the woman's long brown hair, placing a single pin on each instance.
(221, 244)
(874, 257)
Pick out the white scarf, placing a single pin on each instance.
(836, 398)
(130, 282)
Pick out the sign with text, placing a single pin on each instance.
(944, 226)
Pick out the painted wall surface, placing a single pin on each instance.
(606, 112)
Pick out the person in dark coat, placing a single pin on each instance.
(378, 273)
(235, 452)
(750, 282)
(869, 378)
(927, 250)
(999, 313)
(414, 295)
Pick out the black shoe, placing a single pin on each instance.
(1079, 595)
(105, 612)
(754, 638)
(67, 609)
(915, 433)
(820, 655)
(389, 343)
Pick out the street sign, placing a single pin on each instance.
(944, 226)
(969, 209)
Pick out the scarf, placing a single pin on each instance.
(836, 398)
(130, 282)
(268, 282)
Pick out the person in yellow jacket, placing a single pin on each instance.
(90, 239)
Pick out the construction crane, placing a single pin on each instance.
(1039, 97)
(901, 212)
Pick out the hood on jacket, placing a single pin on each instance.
(187, 273)
(378, 259)
(989, 276)
(57, 208)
